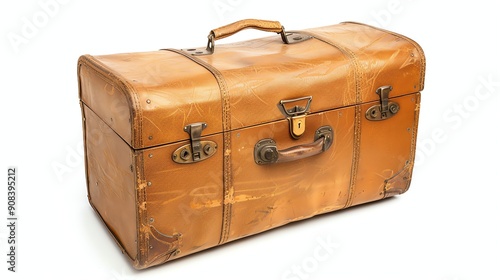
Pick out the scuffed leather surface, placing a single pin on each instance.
(107, 96)
(159, 210)
(183, 199)
(111, 181)
(259, 73)
(385, 149)
(270, 196)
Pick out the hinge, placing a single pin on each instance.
(197, 150)
(385, 109)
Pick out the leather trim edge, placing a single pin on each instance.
(125, 87)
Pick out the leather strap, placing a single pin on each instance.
(226, 123)
(358, 77)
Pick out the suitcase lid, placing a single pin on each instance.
(149, 98)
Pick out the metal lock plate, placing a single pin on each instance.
(386, 109)
(197, 150)
(298, 125)
(296, 115)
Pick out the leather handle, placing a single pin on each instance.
(266, 150)
(235, 27)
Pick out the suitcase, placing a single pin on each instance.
(189, 149)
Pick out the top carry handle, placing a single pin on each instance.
(235, 27)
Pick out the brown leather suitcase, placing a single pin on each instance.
(190, 149)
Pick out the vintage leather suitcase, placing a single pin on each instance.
(190, 149)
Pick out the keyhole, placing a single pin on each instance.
(299, 124)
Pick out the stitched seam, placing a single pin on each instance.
(413, 42)
(417, 97)
(357, 113)
(226, 123)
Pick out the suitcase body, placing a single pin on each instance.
(190, 149)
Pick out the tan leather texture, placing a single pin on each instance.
(136, 108)
(231, 29)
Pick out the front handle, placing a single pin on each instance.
(266, 150)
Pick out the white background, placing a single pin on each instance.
(446, 227)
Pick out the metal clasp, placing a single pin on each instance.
(197, 150)
(194, 130)
(296, 115)
(385, 109)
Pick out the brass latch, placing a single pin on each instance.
(197, 150)
(296, 115)
(386, 109)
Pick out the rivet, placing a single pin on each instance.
(185, 154)
(408, 129)
(175, 156)
(149, 184)
(96, 183)
(150, 155)
(84, 119)
(111, 119)
(150, 137)
(148, 101)
(394, 109)
(150, 247)
(207, 149)
(151, 220)
(412, 54)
